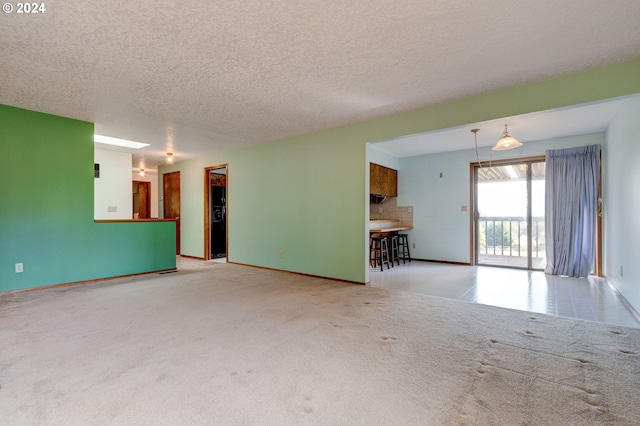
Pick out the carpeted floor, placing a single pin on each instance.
(240, 345)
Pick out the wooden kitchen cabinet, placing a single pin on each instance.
(383, 180)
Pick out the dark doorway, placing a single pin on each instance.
(171, 201)
(216, 212)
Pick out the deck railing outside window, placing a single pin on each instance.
(507, 236)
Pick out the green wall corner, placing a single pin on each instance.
(46, 217)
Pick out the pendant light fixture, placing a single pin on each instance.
(506, 141)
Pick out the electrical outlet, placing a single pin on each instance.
(379, 209)
(19, 268)
(281, 254)
(413, 245)
(409, 209)
(112, 209)
(464, 208)
(441, 175)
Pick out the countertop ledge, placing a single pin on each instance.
(394, 229)
(132, 220)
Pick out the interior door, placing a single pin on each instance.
(143, 200)
(171, 201)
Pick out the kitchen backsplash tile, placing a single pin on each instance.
(391, 210)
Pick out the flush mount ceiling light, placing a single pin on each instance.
(506, 141)
(141, 172)
(169, 157)
(119, 142)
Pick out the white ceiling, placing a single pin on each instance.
(576, 120)
(197, 77)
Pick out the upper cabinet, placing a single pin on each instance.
(383, 180)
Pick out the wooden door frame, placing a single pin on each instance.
(207, 211)
(598, 271)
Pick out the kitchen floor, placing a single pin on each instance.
(590, 299)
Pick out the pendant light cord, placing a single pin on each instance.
(475, 138)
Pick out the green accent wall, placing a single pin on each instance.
(308, 195)
(46, 213)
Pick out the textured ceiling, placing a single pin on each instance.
(200, 77)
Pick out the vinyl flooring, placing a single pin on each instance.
(592, 299)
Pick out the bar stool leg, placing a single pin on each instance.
(404, 245)
(372, 254)
(390, 251)
(395, 256)
(384, 253)
(375, 250)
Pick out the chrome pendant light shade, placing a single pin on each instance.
(506, 141)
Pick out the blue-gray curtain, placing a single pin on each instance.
(571, 209)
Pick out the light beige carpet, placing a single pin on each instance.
(238, 345)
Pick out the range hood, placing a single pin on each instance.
(377, 198)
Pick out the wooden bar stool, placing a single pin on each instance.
(395, 256)
(379, 251)
(403, 244)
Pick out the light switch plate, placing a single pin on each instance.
(112, 209)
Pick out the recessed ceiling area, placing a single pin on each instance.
(197, 78)
(577, 120)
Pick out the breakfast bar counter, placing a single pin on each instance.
(391, 229)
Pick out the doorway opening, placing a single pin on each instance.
(141, 199)
(508, 221)
(216, 241)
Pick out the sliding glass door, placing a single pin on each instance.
(509, 214)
